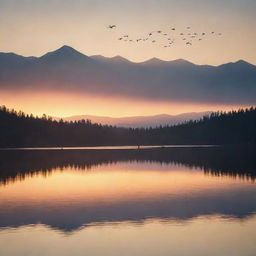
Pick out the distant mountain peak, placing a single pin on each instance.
(63, 52)
(243, 62)
(182, 61)
(66, 48)
(115, 59)
(156, 61)
(119, 58)
(153, 60)
(240, 63)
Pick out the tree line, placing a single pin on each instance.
(18, 129)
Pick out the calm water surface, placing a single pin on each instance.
(183, 201)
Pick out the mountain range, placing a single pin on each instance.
(66, 69)
(139, 121)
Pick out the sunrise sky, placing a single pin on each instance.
(34, 27)
(65, 105)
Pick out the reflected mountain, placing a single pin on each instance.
(69, 189)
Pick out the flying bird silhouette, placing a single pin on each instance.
(189, 37)
(112, 26)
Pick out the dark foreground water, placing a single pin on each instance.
(159, 201)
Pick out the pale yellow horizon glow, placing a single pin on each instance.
(61, 104)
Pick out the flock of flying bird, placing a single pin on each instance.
(189, 37)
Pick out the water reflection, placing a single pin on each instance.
(202, 236)
(69, 189)
(238, 162)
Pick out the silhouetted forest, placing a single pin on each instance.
(20, 130)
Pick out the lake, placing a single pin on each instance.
(175, 201)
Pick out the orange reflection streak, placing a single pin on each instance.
(114, 183)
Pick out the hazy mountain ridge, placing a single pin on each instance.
(140, 121)
(69, 70)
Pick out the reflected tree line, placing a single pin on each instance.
(235, 161)
(20, 130)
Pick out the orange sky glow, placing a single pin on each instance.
(60, 104)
